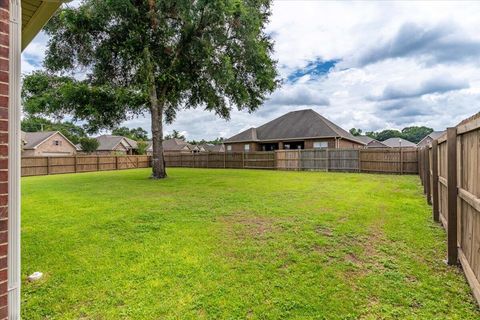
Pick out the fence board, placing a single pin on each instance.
(458, 189)
(349, 160)
(37, 166)
(395, 160)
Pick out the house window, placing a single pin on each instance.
(57, 142)
(229, 148)
(320, 144)
(246, 147)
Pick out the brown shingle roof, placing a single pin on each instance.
(109, 142)
(395, 143)
(370, 142)
(295, 125)
(172, 145)
(33, 139)
(364, 139)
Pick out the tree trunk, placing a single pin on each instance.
(158, 162)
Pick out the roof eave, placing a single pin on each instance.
(294, 139)
(41, 16)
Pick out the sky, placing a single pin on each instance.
(368, 65)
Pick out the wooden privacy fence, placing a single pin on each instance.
(347, 160)
(450, 174)
(36, 166)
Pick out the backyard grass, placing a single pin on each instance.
(235, 244)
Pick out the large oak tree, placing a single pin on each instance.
(163, 55)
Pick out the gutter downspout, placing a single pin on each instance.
(14, 145)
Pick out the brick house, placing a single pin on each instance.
(115, 145)
(46, 144)
(427, 140)
(371, 143)
(20, 21)
(399, 143)
(303, 129)
(174, 146)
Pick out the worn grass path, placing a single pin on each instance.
(235, 244)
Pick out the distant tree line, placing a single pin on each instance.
(70, 130)
(137, 134)
(177, 135)
(75, 133)
(413, 134)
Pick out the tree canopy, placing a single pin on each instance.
(89, 145)
(413, 134)
(70, 130)
(138, 134)
(356, 132)
(156, 56)
(175, 135)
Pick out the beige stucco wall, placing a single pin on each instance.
(49, 149)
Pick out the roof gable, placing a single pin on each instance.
(110, 143)
(295, 125)
(34, 139)
(398, 142)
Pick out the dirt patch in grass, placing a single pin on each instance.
(324, 231)
(244, 226)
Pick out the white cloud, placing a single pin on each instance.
(422, 56)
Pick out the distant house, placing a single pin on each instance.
(174, 146)
(208, 147)
(399, 143)
(303, 129)
(429, 138)
(46, 144)
(371, 143)
(115, 145)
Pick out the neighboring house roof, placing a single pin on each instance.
(434, 135)
(398, 142)
(370, 142)
(364, 139)
(302, 124)
(213, 147)
(110, 143)
(176, 145)
(32, 140)
(218, 148)
(132, 142)
(173, 145)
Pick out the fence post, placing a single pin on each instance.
(435, 180)
(327, 155)
(48, 165)
(98, 163)
(424, 170)
(224, 160)
(452, 195)
(75, 164)
(275, 164)
(429, 186)
(208, 156)
(116, 162)
(420, 164)
(299, 160)
(401, 161)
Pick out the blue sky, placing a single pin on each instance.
(370, 65)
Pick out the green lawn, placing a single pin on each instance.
(235, 244)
